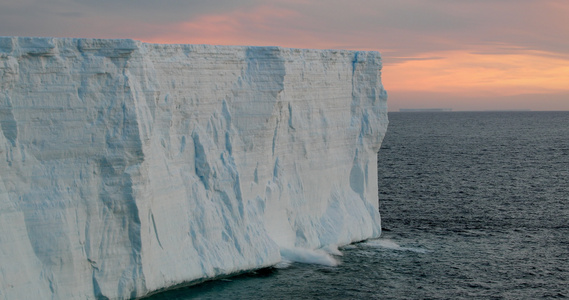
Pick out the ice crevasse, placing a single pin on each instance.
(127, 168)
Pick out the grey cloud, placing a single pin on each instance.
(165, 11)
(418, 26)
(103, 18)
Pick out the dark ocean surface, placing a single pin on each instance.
(474, 205)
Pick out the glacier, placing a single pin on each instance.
(128, 168)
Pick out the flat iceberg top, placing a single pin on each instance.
(128, 167)
(39, 45)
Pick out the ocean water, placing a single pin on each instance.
(474, 205)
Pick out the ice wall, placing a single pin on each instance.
(127, 167)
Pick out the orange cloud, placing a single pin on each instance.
(479, 74)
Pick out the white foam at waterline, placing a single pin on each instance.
(333, 250)
(308, 256)
(389, 244)
(283, 264)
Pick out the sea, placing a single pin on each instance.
(474, 205)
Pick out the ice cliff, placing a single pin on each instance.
(127, 168)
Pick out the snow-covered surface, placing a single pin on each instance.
(127, 167)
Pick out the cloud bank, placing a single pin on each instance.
(461, 48)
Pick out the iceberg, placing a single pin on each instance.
(127, 168)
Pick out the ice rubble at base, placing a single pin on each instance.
(129, 167)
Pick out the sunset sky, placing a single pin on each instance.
(459, 54)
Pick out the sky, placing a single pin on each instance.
(458, 54)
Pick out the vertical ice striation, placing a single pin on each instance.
(127, 168)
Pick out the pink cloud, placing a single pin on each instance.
(262, 25)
